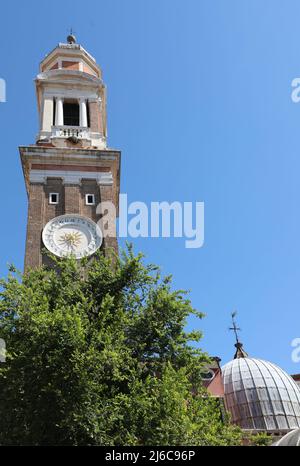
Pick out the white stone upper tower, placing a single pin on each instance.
(71, 98)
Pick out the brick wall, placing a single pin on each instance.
(71, 200)
(95, 118)
(34, 226)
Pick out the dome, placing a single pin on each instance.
(260, 396)
(292, 439)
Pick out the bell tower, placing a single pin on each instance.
(69, 170)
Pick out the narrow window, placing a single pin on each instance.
(54, 112)
(71, 114)
(53, 198)
(88, 114)
(90, 199)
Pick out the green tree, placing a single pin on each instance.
(260, 440)
(98, 355)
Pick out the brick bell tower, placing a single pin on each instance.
(70, 169)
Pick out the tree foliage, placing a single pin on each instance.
(262, 439)
(97, 354)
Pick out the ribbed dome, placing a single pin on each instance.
(292, 439)
(260, 396)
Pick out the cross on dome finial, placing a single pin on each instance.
(240, 353)
(234, 326)
(71, 39)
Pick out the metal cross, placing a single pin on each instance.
(234, 327)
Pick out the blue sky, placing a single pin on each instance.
(199, 102)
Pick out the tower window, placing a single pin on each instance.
(53, 198)
(71, 114)
(54, 112)
(90, 199)
(88, 114)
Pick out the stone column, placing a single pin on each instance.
(47, 116)
(59, 114)
(82, 113)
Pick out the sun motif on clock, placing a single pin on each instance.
(71, 240)
(72, 235)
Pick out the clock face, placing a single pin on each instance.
(72, 235)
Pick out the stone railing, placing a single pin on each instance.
(70, 131)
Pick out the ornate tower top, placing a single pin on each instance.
(71, 98)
